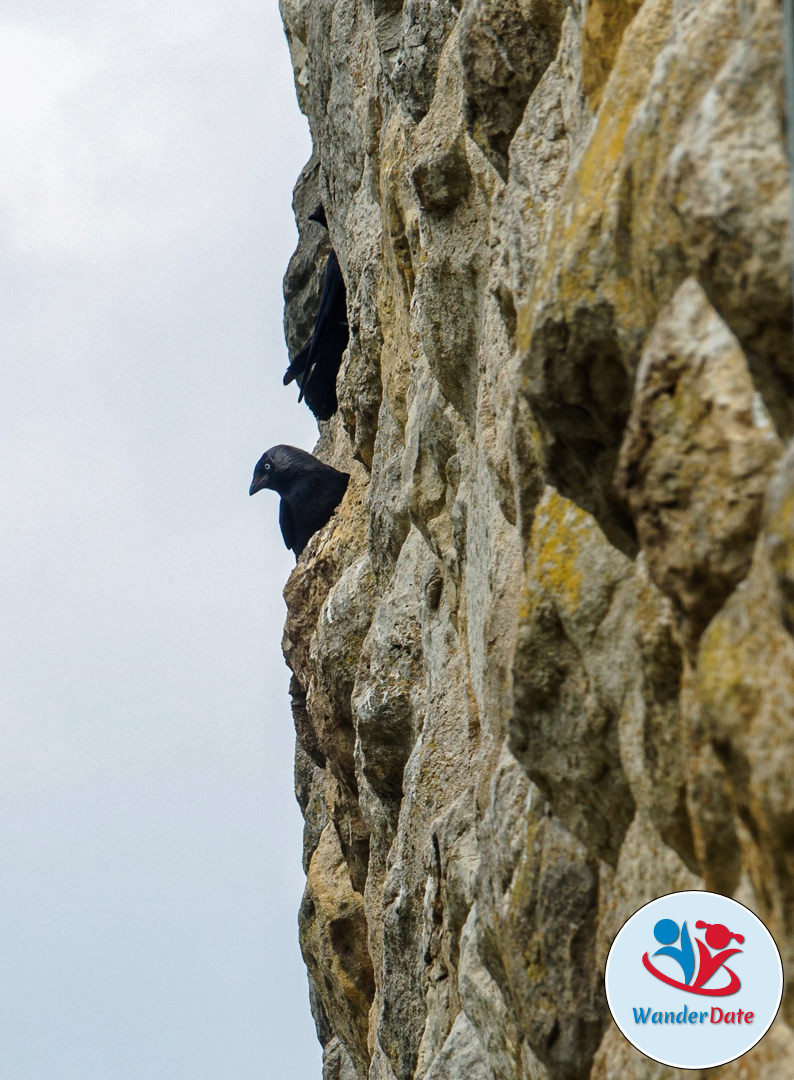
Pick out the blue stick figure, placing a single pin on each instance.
(666, 932)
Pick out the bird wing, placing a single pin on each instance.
(332, 298)
(333, 283)
(287, 524)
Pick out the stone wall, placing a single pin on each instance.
(543, 656)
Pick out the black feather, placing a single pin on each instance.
(310, 491)
(285, 524)
(318, 215)
(317, 364)
(298, 365)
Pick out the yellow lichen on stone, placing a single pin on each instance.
(559, 532)
(577, 226)
(605, 22)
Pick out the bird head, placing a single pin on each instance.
(263, 473)
(279, 467)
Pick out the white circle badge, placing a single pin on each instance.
(694, 980)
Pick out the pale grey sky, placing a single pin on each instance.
(149, 837)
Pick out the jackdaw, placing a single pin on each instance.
(318, 215)
(316, 366)
(310, 491)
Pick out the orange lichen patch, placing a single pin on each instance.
(780, 541)
(558, 533)
(579, 222)
(627, 87)
(727, 673)
(615, 192)
(333, 938)
(604, 25)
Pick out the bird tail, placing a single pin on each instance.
(298, 365)
(308, 370)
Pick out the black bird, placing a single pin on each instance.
(318, 215)
(316, 366)
(310, 491)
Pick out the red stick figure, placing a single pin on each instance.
(717, 936)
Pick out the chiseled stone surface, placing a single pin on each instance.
(543, 653)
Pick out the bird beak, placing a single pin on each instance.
(257, 485)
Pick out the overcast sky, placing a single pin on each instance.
(149, 837)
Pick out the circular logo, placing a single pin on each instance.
(694, 980)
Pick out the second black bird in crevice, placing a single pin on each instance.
(316, 366)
